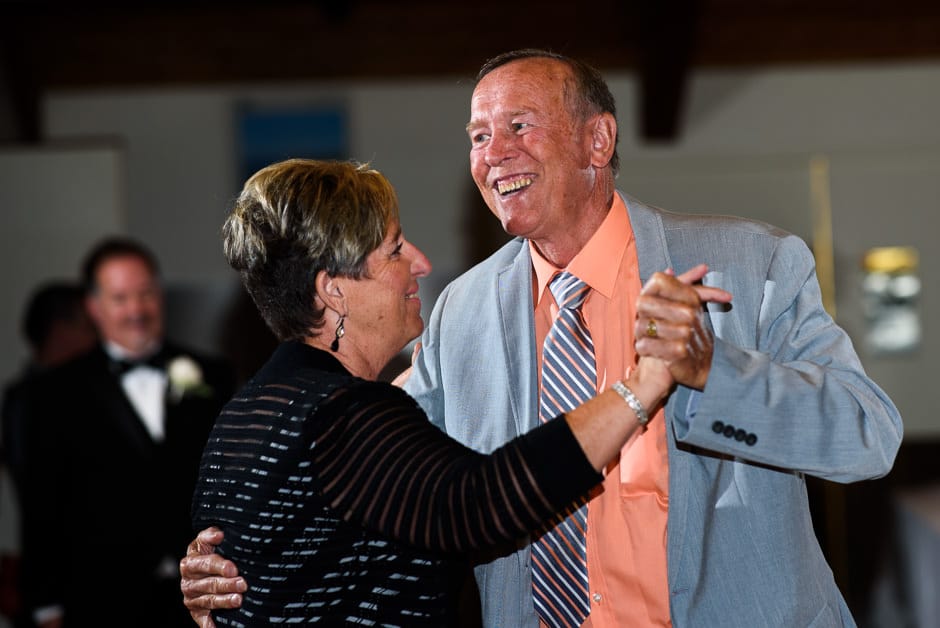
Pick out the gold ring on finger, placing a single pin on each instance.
(651, 330)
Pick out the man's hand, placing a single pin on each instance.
(670, 324)
(402, 377)
(208, 580)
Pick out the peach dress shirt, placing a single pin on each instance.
(626, 538)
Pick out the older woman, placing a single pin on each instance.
(338, 500)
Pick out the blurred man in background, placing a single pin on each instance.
(114, 449)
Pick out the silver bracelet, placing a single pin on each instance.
(621, 389)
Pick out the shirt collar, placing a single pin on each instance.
(117, 352)
(598, 263)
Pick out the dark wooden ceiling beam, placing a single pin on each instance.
(18, 86)
(833, 32)
(199, 42)
(205, 42)
(664, 33)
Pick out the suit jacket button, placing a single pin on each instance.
(717, 427)
(740, 435)
(729, 431)
(751, 439)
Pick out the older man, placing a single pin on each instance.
(704, 520)
(114, 450)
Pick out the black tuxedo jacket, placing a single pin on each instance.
(104, 502)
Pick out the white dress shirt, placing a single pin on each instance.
(145, 386)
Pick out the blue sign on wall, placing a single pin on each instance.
(267, 135)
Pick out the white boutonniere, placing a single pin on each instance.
(185, 379)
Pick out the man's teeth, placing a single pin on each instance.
(504, 187)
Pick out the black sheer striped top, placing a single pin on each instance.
(341, 504)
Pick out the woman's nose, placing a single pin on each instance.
(420, 264)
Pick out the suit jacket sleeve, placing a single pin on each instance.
(424, 383)
(794, 396)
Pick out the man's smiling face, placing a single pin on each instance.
(530, 156)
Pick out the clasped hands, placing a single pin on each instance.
(670, 324)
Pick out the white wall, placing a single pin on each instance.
(180, 160)
(55, 202)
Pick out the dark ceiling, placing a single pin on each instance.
(92, 44)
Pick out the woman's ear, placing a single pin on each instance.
(603, 139)
(330, 291)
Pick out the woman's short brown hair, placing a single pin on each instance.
(297, 217)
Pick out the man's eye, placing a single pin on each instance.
(480, 137)
(518, 126)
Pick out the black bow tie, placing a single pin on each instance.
(120, 366)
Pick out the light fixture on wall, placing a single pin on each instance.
(890, 290)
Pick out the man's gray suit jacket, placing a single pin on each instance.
(786, 396)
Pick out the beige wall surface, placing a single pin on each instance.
(55, 202)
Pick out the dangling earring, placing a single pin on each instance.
(340, 332)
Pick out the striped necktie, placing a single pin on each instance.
(569, 375)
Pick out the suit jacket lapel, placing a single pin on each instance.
(651, 250)
(517, 325)
(654, 255)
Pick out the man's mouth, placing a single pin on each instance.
(508, 186)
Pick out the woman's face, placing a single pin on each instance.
(384, 310)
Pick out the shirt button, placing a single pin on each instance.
(597, 597)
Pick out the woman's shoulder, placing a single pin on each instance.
(357, 391)
(316, 387)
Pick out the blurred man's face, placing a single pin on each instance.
(127, 305)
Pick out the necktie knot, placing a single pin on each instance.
(569, 291)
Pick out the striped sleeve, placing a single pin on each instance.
(384, 465)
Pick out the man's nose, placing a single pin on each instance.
(500, 147)
(138, 306)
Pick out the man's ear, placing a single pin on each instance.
(603, 139)
(330, 292)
